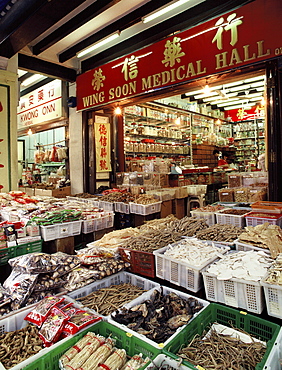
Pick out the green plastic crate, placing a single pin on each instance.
(6, 254)
(31, 247)
(132, 345)
(253, 325)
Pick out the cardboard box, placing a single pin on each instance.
(166, 208)
(28, 239)
(57, 193)
(29, 191)
(179, 208)
(33, 230)
(181, 192)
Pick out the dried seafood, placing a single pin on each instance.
(222, 351)
(106, 300)
(153, 239)
(158, 317)
(275, 272)
(264, 236)
(16, 346)
(220, 233)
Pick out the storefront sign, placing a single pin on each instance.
(247, 35)
(5, 152)
(102, 144)
(242, 114)
(41, 105)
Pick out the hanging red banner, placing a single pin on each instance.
(247, 35)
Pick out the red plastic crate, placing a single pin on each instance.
(142, 263)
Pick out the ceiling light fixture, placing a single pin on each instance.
(245, 107)
(163, 11)
(32, 79)
(117, 110)
(29, 132)
(102, 42)
(177, 121)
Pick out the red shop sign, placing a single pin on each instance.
(247, 35)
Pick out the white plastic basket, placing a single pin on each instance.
(181, 273)
(145, 297)
(233, 292)
(93, 202)
(87, 226)
(247, 247)
(63, 230)
(145, 209)
(116, 279)
(254, 221)
(122, 207)
(230, 219)
(273, 298)
(107, 206)
(209, 217)
(49, 232)
(196, 189)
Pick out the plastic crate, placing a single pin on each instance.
(31, 247)
(49, 232)
(273, 219)
(87, 226)
(165, 362)
(234, 292)
(146, 296)
(196, 189)
(142, 263)
(247, 247)
(131, 344)
(121, 277)
(145, 209)
(265, 206)
(107, 206)
(230, 219)
(69, 229)
(181, 273)
(273, 298)
(209, 217)
(16, 322)
(255, 326)
(122, 207)
(6, 254)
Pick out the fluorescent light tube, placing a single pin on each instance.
(162, 11)
(102, 42)
(32, 79)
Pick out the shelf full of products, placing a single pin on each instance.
(249, 140)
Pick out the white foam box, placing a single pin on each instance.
(144, 298)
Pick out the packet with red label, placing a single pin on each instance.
(53, 326)
(80, 320)
(41, 311)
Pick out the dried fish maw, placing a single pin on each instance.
(179, 320)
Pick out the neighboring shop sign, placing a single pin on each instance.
(102, 144)
(41, 105)
(5, 151)
(244, 36)
(245, 114)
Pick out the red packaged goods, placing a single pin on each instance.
(53, 326)
(80, 320)
(41, 311)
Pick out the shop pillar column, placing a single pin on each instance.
(8, 121)
(274, 128)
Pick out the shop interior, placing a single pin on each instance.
(180, 134)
